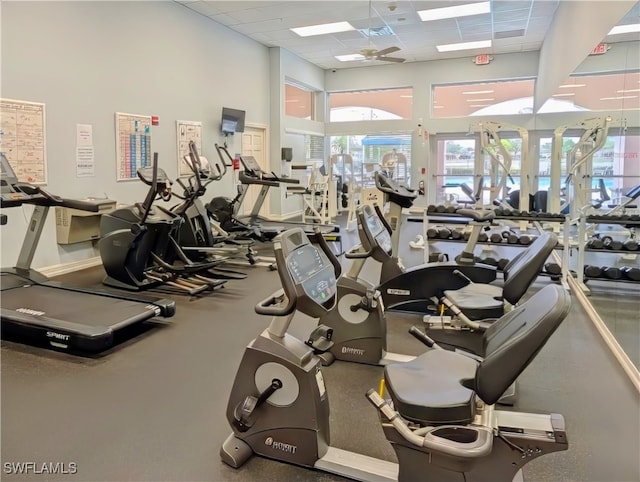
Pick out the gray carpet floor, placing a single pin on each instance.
(153, 407)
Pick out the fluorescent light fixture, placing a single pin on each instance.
(438, 107)
(568, 94)
(631, 28)
(349, 57)
(406, 97)
(479, 105)
(322, 29)
(455, 11)
(480, 44)
(619, 97)
(569, 86)
(478, 92)
(627, 90)
(479, 100)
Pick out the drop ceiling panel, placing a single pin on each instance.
(268, 22)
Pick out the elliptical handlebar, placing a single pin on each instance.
(220, 149)
(197, 166)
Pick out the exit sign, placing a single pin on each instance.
(600, 49)
(482, 59)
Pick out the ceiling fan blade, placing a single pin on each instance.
(386, 51)
(391, 59)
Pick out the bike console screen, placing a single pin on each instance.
(377, 230)
(313, 272)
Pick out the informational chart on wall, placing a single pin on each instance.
(133, 144)
(187, 131)
(23, 139)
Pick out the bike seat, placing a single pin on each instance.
(478, 215)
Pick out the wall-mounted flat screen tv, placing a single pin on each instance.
(232, 120)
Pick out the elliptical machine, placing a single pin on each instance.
(200, 236)
(138, 246)
(448, 431)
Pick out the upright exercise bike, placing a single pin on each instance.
(440, 421)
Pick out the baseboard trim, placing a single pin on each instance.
(65, 268)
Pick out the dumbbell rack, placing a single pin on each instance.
(446, 218)
(582, 249)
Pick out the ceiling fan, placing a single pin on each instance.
(370, 53)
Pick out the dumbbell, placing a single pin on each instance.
(490, 261)
(507, 212)
(451, 209)
(496, 237)
(444, 233)
(610, 243)
(431, 208)
(630, 245)
(432, 233)
(525, 239)
(611, 272)
(632, 274)
(510, 237)
(592, 271)
(456, 234)
(595, 243)
(466, 235)
(441, 208)
(552, 268)
(483, 238)
(502, 263)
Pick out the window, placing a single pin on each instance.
(494, 171)
(617, 164)
(371, 153)
(299, 101)
(371, 105)
(455, 166)
(482, 98)
(599, 92)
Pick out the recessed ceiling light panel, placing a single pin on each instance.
(323, 29)
(455, 11)
(480, 44)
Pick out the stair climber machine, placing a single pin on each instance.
(50, 313)
(440, 418)
(138, 244)
(202, 238)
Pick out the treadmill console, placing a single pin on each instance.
(312, 271)
(250, 164)
(10, 193)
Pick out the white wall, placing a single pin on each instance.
(287, 66)
(88, 60)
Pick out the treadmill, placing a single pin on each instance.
(47, 312)
(252, 174)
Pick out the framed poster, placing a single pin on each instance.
(187, 131)
(133, 144)
(23, 139)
